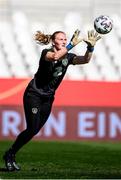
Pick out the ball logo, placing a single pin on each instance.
(34, 110)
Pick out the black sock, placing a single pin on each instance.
(21, 140)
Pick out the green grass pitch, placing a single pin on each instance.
(65, 160)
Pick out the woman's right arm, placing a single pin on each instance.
(56, 55)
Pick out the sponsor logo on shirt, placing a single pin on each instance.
(59, 69)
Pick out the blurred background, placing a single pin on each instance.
(87, 106)
(19, 20)
(95, 87)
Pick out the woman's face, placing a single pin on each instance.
(60, 41)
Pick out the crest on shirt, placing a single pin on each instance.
(65, 62)
(34, 110)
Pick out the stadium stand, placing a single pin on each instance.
(19, 54)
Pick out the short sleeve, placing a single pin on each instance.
(44, 52)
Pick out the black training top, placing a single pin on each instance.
(49, 74)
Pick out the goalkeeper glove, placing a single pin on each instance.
(74, 40)
(93, 37)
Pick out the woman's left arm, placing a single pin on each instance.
(93, 37)
(82, 59)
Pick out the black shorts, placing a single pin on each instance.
(37, 110)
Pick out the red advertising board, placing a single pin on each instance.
(82, 110)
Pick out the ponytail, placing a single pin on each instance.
(44, 39)
(41, 38)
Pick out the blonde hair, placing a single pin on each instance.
(44, 39)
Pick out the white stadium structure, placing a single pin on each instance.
(20, 19)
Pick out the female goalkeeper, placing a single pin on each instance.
(39, 94)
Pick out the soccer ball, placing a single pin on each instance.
(103, 24)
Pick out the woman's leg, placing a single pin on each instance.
(37, 111)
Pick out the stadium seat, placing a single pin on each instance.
(18, 48)
(4, 71)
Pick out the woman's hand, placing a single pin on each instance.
(75, 38)
(93, 37)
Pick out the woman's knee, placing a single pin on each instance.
(34, 132)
